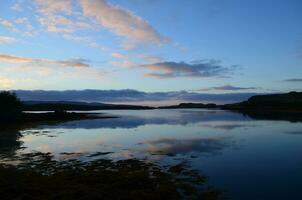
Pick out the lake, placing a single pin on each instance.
(244, 157)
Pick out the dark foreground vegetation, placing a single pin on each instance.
(40, 177)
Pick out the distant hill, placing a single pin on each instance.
(291, 101)
(73, 106)
(288, 101)
(189, 105)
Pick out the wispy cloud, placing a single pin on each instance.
(6, 82)
(71, 16)
(58, 16)
(124, 64)
(211, 68)
(24, 21)
(54, 6)
(7, 40)
(8, 25)
(118, 55)
(86, 40)
(228, 88)
(19, 25)
(14, 59)
(122, 22)
(151, 58)
(17, 7)
(76, 62)
(61, 24)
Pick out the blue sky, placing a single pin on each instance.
(213, 46)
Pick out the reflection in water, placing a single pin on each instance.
(134, 119)
(269, 153)
(259, 114)
(9, 142)
(294, 132)
(228, 127)
(171, 146)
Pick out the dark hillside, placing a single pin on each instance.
(288, 101)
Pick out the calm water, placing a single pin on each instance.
(247, 158)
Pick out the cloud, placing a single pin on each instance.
(122, 22)
(131, 96)
(6, 82)
(293, 80)
(61, 24)
(151, 58)
(118, 55)
(85, 40)
(124, 63)
(228, 88)
(76, 62)
(17, 7)
(58, 17)
(24, 21)
(7, 40)
(64, 16)
(14, 59)
(20, 25)
(44, 71)
(54, 6)
(211, 68)
(25, 26)
(8, 24)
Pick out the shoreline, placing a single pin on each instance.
(36, 119)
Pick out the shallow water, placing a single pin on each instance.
(246, 158)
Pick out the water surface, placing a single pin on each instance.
(246, 158)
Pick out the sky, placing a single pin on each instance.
(196, 46)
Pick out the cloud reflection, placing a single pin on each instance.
(228, 127)
(172, 146)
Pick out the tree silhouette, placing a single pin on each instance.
(10, 106)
